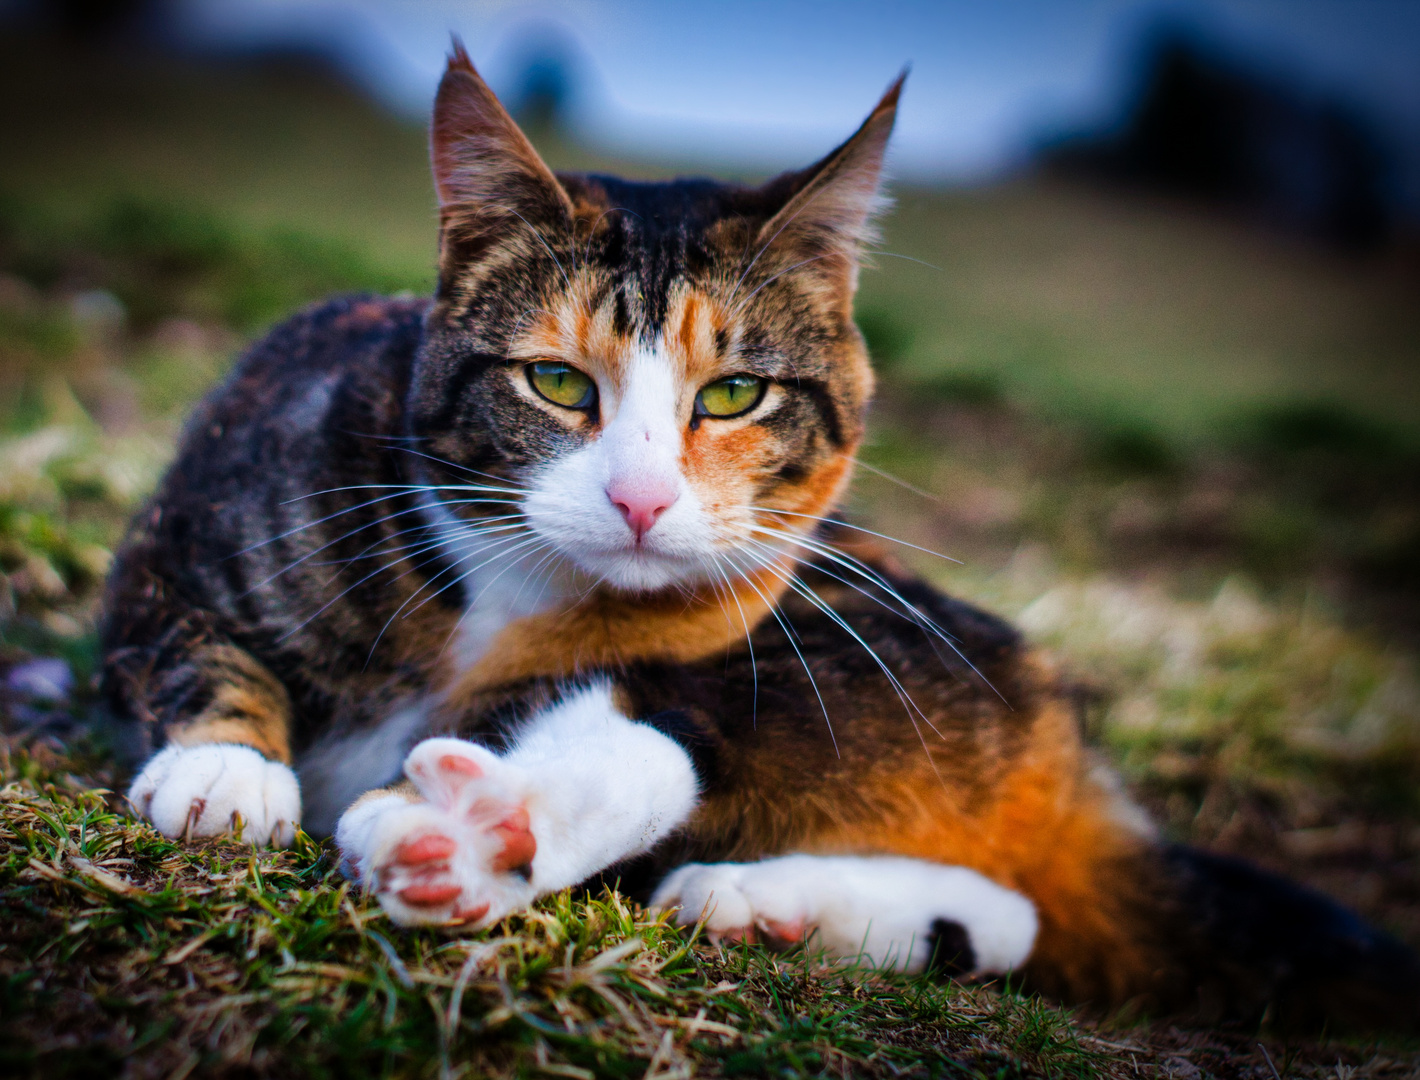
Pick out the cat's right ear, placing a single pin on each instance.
(488, 176)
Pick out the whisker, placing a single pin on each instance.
(451, 533)
(552, 551)
(587, 254)
(769, 243)
(368, 525)
(908, 704)
(531, 540)
(808, 592)
(856, 528)
(409, 488)
(862, 569)
(776, 276)
(344, 592)
(546, 246)
(517, 325)
(453, 464)
(900, 482)
(494, 546)
(908, 258)
(794, 644)
(749, 640)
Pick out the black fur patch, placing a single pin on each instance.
(951, 953)
(679, 725)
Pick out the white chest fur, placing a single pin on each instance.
(501, 575)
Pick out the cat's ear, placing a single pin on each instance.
(486, 172)
(830, 205)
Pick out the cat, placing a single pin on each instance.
(561, 542)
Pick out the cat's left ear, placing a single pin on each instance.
(488, 176)
(831, 204)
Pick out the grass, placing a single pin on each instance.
(127, 950)
(1182, 456)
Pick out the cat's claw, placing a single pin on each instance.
(462, 856)
(218, 788)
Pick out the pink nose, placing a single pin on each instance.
(641, 505)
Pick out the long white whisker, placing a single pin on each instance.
(749, 639)
(449, 533)
(855, 528)
(359, 529)
(398, 489)
(453, 464)
(547, 580)
(533, 539)
(898, 255)
(899, 481)
(748, 579)
(373, 573)
(494, 546)
(862, 569)
(811, 595)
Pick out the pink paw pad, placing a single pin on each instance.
(461, 765)
(519, 844)
(764, 932)
(424, 865)
(430, 848)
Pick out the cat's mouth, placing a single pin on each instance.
(637, 567)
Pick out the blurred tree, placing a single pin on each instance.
(1205, 125)
(102, 23)
(551, 67)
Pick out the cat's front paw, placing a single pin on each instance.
(218, 788)
(461, 855)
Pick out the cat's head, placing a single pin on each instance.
(668, 373)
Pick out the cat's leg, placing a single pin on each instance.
(894, 912)
(473, 836)
(222, 720)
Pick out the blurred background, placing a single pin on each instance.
(1147, 314)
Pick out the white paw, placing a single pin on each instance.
(462, 856)
(217, 788)
(734, 905)
(890, 911)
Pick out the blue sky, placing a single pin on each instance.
(768, 84)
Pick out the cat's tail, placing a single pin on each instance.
(1252, 946)
(1164, 929)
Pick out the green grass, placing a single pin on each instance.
(124, 948)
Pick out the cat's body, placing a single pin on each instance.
(559, 542)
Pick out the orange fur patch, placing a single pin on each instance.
(609, 630)
(1043, 828)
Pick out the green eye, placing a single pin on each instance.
(730, 396)
(562, 384)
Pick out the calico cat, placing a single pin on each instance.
(562, 542)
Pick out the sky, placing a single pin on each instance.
(767, 84)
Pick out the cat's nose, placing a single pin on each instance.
(642, 504)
